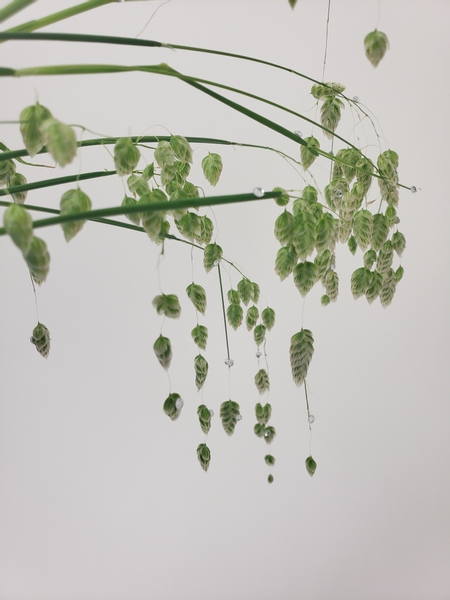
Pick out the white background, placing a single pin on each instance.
(101, 495)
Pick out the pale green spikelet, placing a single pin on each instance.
(7, 170)
(323, 262)
(197, 295)
(352, 244)
(331, 284)
(60, 140)
(270, 478)
(181, 148)
(149, 171)
(305, 276)
(229, 413)
(283, 200)
(38, 260)
(292, 3)
(262, 381)
(263, 413)
(391, 216)
(259, 334)
(19, 226)
(325, 233)
(135, 217)
(285, 261)
(200, 336)
(204, 456)
(361, 281)
(18, 180)
(369, 258)
(72, 203)
(388, 290)
(311, 465)
(31, 119)
(40, 338)
(212, 255)
(385, 257)
(233, 297)
(201, 370)
(138, 185)
(206, 230)
(189, 225)
(284, 227)
(173, 405)
(399, 274)
(398, 242)
(164, 154)
(330, 114)
(308, 153)
(310, 194)
(325, 300)
(251, 317)
(152, 220)
(335, 191)
(165, 227)
(269, 434)
(304, 235)
(163, 350)
(168, 305)
(301, 352)
(212, 168)
(256, 292)
(270, 460)
(126, 156)
(259, 429)
(376, 283)
(380, 231)
(235, 315)
(268, 317)
(375, 45)
(245, 290)
(204, 416)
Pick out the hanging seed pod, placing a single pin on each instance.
(311, 465)
(72, 203)
(204, 416)
(168, 305)
(41, 339)
(19, 225)
(7, 170)
(301, 351)
(201, 370)
(262, 381)
(126, 156)
(163, 350)
(204, 456)
(269, 434)
(18, 180)
(375, 45)
(60, 140)
(173, 405)
(164, 154)
(229, 413)
(200, 336)
(31, 119)
(212, 168)
(135, 218)
(38, 260)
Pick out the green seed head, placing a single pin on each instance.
(19, 226)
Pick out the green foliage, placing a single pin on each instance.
(308, 153)
(41, 339)
(229, 413)
(301, 352)
(263, 413)
(212, 168)
(251, 317)
(262, 381)
(201, 370)
(74, 202)
(284, 227)
(235, 315)
(126, 156)
(375, 45)
(270, 460)
(31, 119)
(305, 276)
(173, 405)
(204, 456)
(38, 260)
(197, 295)
(285, 261)
(16, 180)
(163, 350)
(311, 465)
(167, 305)
(200, 336)
(60, 140)
(211, 256)
(19, 226)
(204, 416)
(268, 317)
(259, 334)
